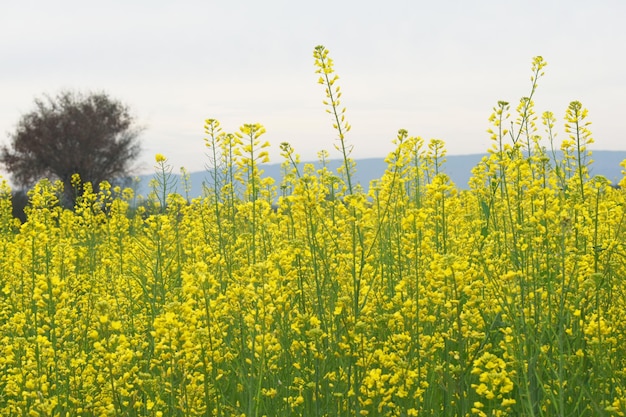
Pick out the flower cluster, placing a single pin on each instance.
(311, 297)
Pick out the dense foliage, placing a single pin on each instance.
(415, 299)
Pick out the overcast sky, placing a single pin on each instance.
(435, 68)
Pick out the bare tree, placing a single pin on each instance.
(73, 133)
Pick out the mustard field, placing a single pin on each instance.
(313, 298)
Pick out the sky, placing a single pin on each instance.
(434, 68)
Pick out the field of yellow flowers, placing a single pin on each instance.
(312, 298)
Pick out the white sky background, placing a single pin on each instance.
(435, 68)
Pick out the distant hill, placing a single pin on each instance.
(458, 168)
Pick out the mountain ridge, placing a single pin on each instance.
(457, 167)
